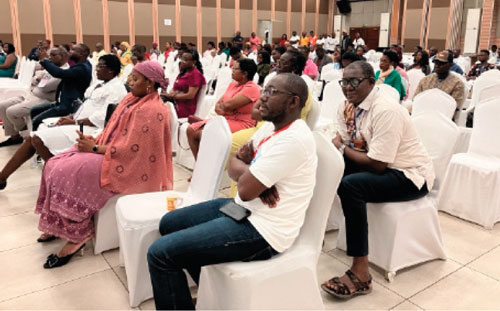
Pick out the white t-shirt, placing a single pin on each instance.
(294, 40)
(330, 43)
(288, 161)
(358, 42)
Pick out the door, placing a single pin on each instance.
(369, 34)
(472, 31)
(385, 19)
(265, 30)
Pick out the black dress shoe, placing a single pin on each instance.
(11, 141)
(54, 261)
(47, 239)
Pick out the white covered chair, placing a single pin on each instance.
(414, 75)
(332, 98)
(402, 234)
(389, 90)
(434, 101)
(330, 74)
(288, 280)
(20, 86)
(470, 187)
(439, 147)
(138, 215)
(269, 77)
(313, 115)
(174, 125)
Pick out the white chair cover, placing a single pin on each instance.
(332, 98)
(486, 79)
(289, 280)
(331, 74)
(106, 231)
(389, 90)
(174, 125)
(138, 215)
(470, 188)
(414, 75)
(402, 234)
(433, 101)
(313, 115)
(269, 77)
(439, 147)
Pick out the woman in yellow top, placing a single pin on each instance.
(126, 57)
(292, 62)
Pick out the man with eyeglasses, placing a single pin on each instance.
(385, 161)
(275, 172)
(443, 79)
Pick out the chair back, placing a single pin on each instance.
(434, 100)
(484, 138)
(224, 78)
(199, 103)
(439, 147)
(332, 98)
(314, 112)
(174, 123)
(488, 92)
(269, 77)
(414, 75)
(161, 59)
(311, 85)
(389, 90)
(214, 150)
(486, 79)
(330, 74)
(328, 174)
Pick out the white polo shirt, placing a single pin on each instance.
(390, 137)
(288, 161)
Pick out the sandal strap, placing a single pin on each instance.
(358, 284)
(341, 287)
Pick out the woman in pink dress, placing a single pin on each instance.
(132, 155)
(235, 105)
(187, 86)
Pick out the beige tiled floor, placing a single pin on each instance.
(469, 279)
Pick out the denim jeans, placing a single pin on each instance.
(48, 110)
(357, 188)
(193, 237)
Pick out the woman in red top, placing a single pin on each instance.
(168, 49)
(284, 39)
(235, 105)
(186, 89)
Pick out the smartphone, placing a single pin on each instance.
(81, 128)
(235, 211)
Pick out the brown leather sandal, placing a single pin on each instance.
(343, 291)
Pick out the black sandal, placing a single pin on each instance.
(47, 239)
(54, 261)
(343, 291)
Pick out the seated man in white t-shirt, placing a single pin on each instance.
(49, 141)
(275, 172)
(385, 162)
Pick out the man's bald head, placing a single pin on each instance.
(296, 85)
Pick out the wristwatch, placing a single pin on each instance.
(94, 149)
(342, 149)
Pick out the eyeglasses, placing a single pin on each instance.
(270, 91)
(354, 82)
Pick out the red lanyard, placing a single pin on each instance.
(269, 137)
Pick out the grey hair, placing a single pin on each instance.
(366, 68)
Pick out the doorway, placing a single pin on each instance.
(369, 34)
(265, 30)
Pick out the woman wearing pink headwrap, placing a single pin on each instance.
(132, 155)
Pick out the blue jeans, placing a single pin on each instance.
(193, 237)
(359, 187)
(48, 110)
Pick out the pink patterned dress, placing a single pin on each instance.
(70, 194)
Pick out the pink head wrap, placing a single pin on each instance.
(153, 71)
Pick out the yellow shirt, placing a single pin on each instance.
(304, 41)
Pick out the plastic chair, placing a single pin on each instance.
(389, 90)
(330, 75)
(288, 280)
(470, 187)
(332, 98)
(174, 125)
(138, 215)
(434, 101)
